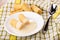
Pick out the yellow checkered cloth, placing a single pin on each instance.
(51, 34)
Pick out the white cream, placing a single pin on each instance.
(18, 25)
(29, 27)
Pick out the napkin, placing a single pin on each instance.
(57, 13)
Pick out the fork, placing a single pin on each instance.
(52, 11)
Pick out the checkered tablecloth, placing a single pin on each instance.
(51, 34)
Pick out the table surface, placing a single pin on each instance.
(51, 34)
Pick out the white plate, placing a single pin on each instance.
(31, 15)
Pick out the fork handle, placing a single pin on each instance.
(46, 26)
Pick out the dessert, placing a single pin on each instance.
(23, 19)
(17, 7)
(36, 9)
(29, 27)
(23, 24)
(14, 11)
(13, 22)
(26, 7)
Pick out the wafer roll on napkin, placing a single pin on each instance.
(36, 9)
(26, 7)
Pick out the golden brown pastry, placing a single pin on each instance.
(17, 1)
(28, 27)
(14, 11)
(23, 25)
(13, 22)
(26, 7)
(22, 18)
(17, 6)
(20, 26)
(36, 9)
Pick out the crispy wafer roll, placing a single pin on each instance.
(17, 6)
(36, 9)
(14, 11)
(26, 7)
(22, 18)
(17, 1)
(20, 26)
(13, 22)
